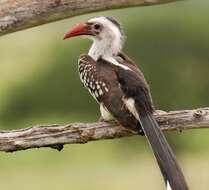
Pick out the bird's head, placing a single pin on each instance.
(105, 32)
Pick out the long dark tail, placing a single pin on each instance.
(169, 167)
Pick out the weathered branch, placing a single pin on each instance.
(18, 15)
(55, 136)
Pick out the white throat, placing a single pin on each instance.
(105, 48)
(108, 43)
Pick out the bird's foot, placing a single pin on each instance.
(137, 131)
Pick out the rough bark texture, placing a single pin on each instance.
(55, 136)
(21, 14)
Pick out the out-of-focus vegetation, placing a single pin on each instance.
(39, 84)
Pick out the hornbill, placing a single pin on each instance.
(120, 89)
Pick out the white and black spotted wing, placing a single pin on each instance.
(123, 85)
(101, 81)
(91, 79)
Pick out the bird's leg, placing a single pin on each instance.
(127, 129)
(139, 131)
(115, 122)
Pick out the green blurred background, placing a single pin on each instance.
(39, 83)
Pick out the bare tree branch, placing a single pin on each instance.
(18, 15)
(55, 136)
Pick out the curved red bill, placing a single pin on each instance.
(77, 30)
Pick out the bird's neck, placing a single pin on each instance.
(105, 48)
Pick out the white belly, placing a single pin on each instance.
(106, 115)
(130, 104)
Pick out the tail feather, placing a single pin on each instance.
(173, 176)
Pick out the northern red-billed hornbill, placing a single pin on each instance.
(122, 92)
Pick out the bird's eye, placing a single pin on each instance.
(97, 26)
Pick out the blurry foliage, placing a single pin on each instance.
(39, 83)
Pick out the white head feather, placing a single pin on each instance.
(109, 41)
